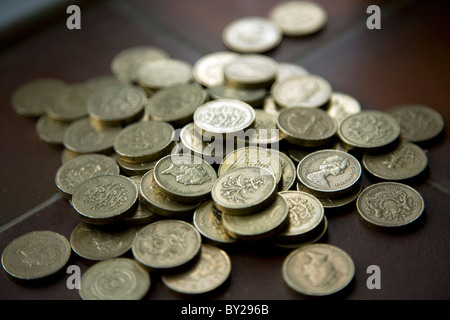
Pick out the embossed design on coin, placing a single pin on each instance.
(210, 271)
(342, 105)
(208, 70)
(252, 35)
(369, 129)
(36, 255)
(329, 172)
(166, 244)
(187, 179)
(115, 279)
(306, 127)
(419, 123)
(406, 161)
(307, 91)
(244, 190)
(74, 172)
(105, 199)
(101, 243)
(318, 269)
(389, 204)
(299, 18)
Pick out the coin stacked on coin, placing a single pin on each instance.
(166, 161)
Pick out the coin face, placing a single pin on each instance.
(318, 269)
(166, 244)
(105, 199)
(159, 203)
(210, 271)
(299, 18)
(307, 127)
(83, 137)
(32, 98)
(244, 190)
(208, 70)
(251, 71)
(187, 179)
(369, 130)
(51, 131)
(70, 104)
(117, 104)
(388, 205)
(342, 105)
(36, 255)
(115, 279)
(259, 225)
(306, 213)
(164, 73)
(176, 104)
(101, 243)
(406, 161)
(207, 220)
(252, 35)
(329, 173)
(268, 159)
(224, 116)
(126, 64)
(144, 141)
(307, 91)
(418, 123)
(82, 168)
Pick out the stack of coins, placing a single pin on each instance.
(166, 161)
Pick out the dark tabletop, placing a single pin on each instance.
(406, 61)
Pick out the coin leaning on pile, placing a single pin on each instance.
(165, 161)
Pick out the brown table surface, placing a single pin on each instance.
(406, 61)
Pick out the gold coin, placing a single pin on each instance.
(287, 70)
(143, 215)
(306, 214)
(167, 244)
(253, 157)
(244, 190)
(82, 136)
(208, 70)
(105, 199)
(159, 74)
(126, 64)
(115, 279)
(82, 168)
(406, 161)
(307, 127)
(418, 123)
(318, 269)
(342, 105)
(299, 18)
(135, 169)
(334, 203)
(70, 104)
(186, 179)
(307, 91)
(51, 131)
(223, 117)
(289, 172)
(264, 131)
(32, 98)
(253, 97)
(101, 242)
(369, 131)
(251, 71)
(144, 141)
(207, 220)
(36, 255)
(314, 237)
(270, 106)
(209, 272)
(117, 104)
(389, 205)
(258, 225)
(159, 203)
(176, 104)
(252, 35)
(330, 173)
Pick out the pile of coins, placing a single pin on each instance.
(173, 162)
